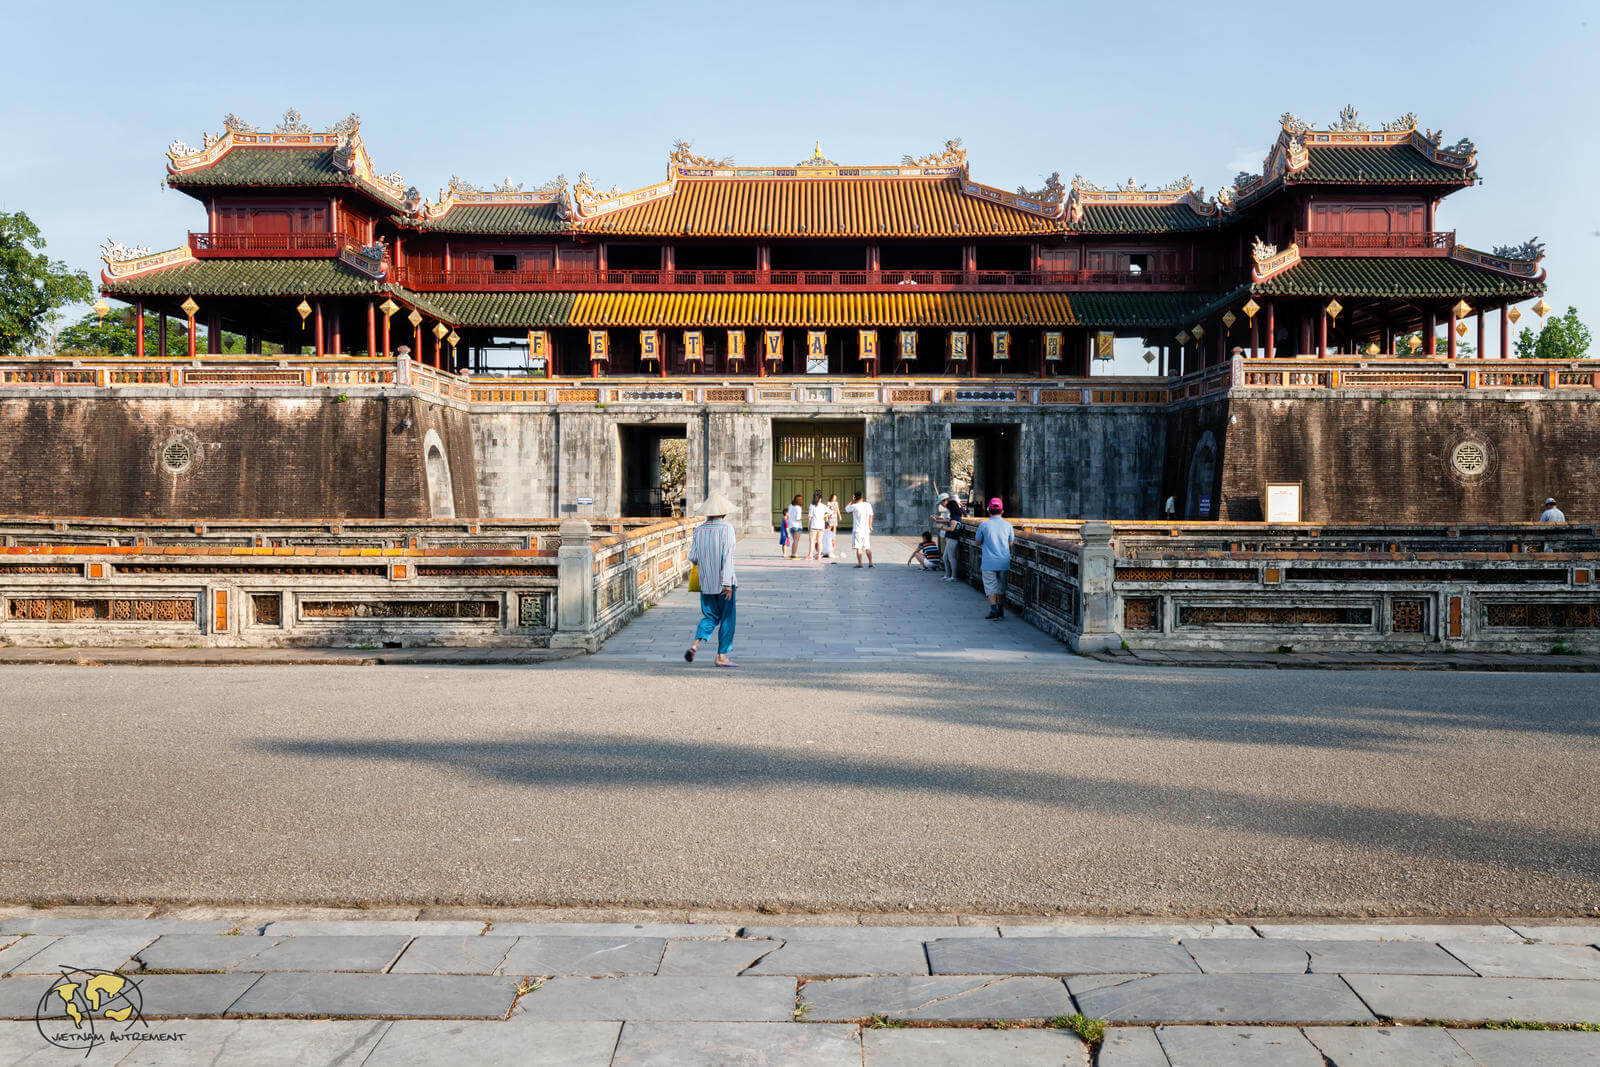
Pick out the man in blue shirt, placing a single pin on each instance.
(994, 537)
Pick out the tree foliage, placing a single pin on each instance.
(1563, 337)
(33, 287)
(114, 336)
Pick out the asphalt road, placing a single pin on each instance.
(1016, 787)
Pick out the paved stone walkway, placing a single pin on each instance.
(817, 612)
(489, 989)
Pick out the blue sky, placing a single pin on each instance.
(1108, 90)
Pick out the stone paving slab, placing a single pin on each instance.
(869, 933)
(1173, 931)
(101, 952)
(818, 958)
(60, 926)
(659, 999)
(1131, 1046)
(1527, 961)
(961, 1047)
(163, 994)
(592, 957)
(1540, 1000)
(378, 996)
(1381, 957)
(676, 1044)
(713, 957)
(1221, 998)
(433, 1042)
(1559, 935)
(615, 930)
(938, 997)
(1059, 955)
(1395, 1046)
(1389, 932)
(342, 927)
(1529, 1048)
(258, 1042)
(1237, 956)
(1238, 1046)
(453, 955)
(210, 952)
(16, 954)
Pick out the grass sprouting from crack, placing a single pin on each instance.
(1090, 1031)
(883, 1022)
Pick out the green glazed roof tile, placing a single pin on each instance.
(1139, 309)
(522, 310)
(1400, 164)
(491, 218)
(1134, 218)
(1422, 277)
(276, 168)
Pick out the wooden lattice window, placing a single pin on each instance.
(267, 608)
(1408, 616)
(1537, 616)
(1226, 615)
(1141, 613)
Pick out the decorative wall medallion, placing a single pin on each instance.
(1470, 459)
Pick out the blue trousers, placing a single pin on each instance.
(717, 613)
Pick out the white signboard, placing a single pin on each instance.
(1283, 502)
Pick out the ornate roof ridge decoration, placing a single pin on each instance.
(1530, 251)
(682, 156)
(462, 193)
(1179, 191)
(123, 261)
(1022, 200)
(365, 259)
(343, 136)
(954, 155)
(584, 191)
(1515, 266)
(1268, 262)
(817, 159)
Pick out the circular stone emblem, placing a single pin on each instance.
(177, 456)
(1470, 459)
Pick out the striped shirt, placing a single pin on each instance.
(712, 551)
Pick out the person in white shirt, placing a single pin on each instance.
(831, 529)
(819, 525)
(792, 519)
(861, 528)
(1551, 512)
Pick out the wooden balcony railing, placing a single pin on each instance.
(1437, 242)
(205, 245)
(435, 280)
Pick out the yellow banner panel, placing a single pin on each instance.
(599, 345)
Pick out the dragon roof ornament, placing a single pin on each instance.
(1531, 251)
(1052, 192)
(954, 155)
(682, 156)
(114, 251)
(1179, 191)
(585, 192)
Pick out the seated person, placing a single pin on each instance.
(927, 553)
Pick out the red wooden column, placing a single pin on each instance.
(191, 336)
(338, 337)
(1505, 332)
(1322, 334)
(318, 308)
(372, 328)
(138, 329)
(1450, 335)
(387, 350)
(161, 333)
(1430, 325)
(1481, 352)
(1272, 327)
(1255, 339)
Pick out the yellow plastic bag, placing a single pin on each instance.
(694, 578)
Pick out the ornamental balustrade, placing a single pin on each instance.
(362, 583)
(333, 374)
(1261, 587)
(425, 280)
(212, 245)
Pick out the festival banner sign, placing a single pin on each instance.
(1001, 340)
(1105, 344)
(649, 344)
(694, 346)
(1052, 346)
(735, 344)
(599, 346)
(774, 343)
(869, 343)
(958, 344)
(908, 344)
(538, 346)
(816, 351)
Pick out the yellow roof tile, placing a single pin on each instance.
(776, 310)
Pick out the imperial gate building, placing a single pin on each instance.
(515, 351)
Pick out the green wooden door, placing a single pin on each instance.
(809, 457)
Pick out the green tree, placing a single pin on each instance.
(33, 287)
(1563, 337)
(114, 336)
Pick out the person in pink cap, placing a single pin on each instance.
(994, 538)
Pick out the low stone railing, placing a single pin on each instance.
(365, 583)
(1261, 587)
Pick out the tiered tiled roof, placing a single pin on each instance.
(491, 219)
(249, 277)
(1142, 218)
(1433, 277)
(520, 310)
(1140, 310)
(1398, 164)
